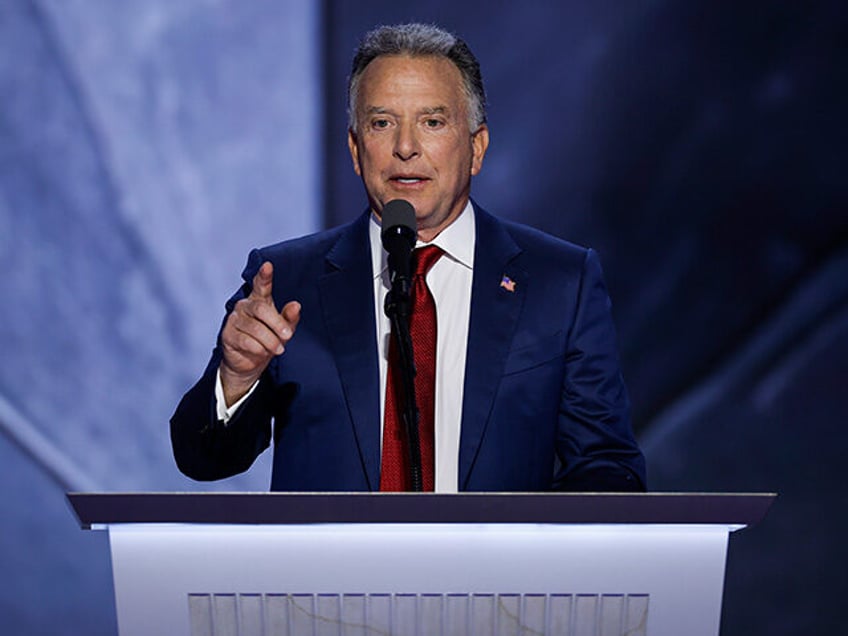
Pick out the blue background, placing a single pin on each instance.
(700, 147)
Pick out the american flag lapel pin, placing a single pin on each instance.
(507, 283)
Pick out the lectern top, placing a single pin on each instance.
(300, 508)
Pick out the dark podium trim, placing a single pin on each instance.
(303, 508)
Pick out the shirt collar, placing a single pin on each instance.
(456, 240)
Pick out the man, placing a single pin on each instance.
(528, 392)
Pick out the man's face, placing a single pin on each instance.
(413, 140)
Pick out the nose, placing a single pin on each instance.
(406, 142)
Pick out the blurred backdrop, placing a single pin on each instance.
(700, 147)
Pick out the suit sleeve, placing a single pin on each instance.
(206, 449)
(595, 447)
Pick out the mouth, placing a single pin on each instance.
(407, 179)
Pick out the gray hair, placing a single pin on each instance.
(419, 40)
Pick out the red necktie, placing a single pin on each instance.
(394, 472)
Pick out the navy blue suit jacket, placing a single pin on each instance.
(545, 407)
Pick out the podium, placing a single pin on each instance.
(418, 564)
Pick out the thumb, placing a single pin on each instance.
(291, 313)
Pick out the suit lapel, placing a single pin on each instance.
(496, 304)
(347, 302)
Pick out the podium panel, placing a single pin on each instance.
(410, 572)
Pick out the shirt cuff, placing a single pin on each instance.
(224, 412)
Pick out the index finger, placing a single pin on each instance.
(263, 281)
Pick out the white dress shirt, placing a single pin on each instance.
(449, 281)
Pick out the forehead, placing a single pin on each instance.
(402, 78)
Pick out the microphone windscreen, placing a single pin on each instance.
(398, 238)
(399, 212)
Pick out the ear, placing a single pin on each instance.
(354, 151)
(479, 144)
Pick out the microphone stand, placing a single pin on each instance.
(397, 308)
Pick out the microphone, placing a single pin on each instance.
(398, 236)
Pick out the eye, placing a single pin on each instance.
(432, 122)
(379, 124)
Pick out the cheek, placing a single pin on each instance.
(461, 163)
(373, 154)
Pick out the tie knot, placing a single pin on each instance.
(425, 257)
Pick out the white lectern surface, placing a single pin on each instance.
(419, 564)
